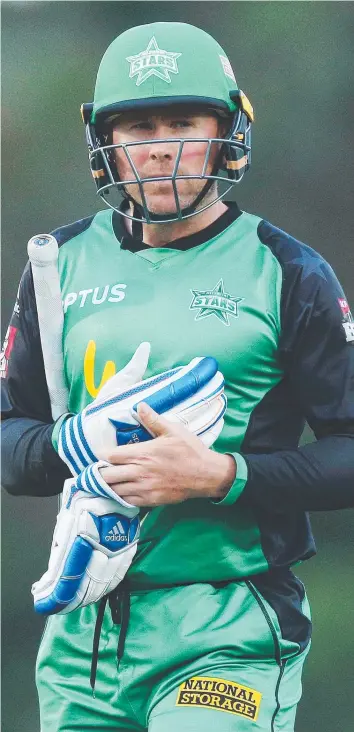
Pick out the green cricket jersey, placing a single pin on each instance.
(220, 298)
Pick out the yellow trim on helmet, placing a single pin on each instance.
(246, 106)
(98, 173)
(237, 164)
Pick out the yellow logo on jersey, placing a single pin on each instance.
(89, 370)
(226, 696)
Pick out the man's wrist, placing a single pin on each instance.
(226, 474)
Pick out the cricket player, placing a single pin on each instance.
(210, 627)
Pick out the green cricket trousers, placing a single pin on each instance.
(193, 658)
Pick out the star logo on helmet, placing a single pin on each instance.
(154, 61)
(215, 302)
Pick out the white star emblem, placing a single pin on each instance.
(154, 61)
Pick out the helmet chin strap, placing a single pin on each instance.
(138, 210)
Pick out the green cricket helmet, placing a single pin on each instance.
(156, 66)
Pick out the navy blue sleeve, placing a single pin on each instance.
(317, 354)
(30, 465)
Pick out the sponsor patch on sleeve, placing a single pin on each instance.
(6, 350)
(344, 306)
(349, 331)
(221, 695)
(348, 320)
(17, 303)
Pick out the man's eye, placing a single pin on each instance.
(141, 126)
(182, 123)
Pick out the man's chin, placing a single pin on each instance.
(166, 205)
(162, 202)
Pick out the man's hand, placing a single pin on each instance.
(172, 468)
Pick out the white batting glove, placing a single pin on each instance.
(94, 543)
(192, 395)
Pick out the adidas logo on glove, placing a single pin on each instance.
(117, 533)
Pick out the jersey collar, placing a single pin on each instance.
(184, 243)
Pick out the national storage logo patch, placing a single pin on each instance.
(226, 696)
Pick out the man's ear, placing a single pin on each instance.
(223, 126)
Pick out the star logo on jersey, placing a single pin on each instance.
(215, 302)
(154, 61)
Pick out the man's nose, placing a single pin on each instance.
(163, 150)
(160, 151)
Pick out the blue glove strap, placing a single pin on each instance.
(56, 429)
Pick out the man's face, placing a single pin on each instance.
(158, 159)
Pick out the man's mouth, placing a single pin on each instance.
(166, 174)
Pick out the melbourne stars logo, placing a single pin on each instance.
(153, 62)
(215, 302)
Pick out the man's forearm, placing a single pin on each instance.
(316, 477)
(30, 465)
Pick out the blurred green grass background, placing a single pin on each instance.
(295, 62)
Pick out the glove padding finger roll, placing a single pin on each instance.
(202, 414)
(94, 543)
(192, 395)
